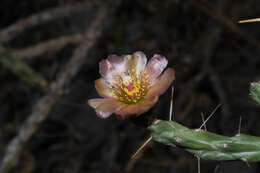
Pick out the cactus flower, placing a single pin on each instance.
(129, 85)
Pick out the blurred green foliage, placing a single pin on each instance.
(22, 70)
(255, 91)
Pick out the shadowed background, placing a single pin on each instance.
(49, 54)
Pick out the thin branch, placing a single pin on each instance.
(50, 45)
(44, 105)
(217, 85)
(228, 23)
(20, 26)
(249, 20)
(207, 45)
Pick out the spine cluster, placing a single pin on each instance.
(207, 145)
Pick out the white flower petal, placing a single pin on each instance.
(139, 61)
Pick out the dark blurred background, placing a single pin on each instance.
(49, 54)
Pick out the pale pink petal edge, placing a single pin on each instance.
(103, 88)
(130, 110)
(162, 84)
(105, 107)
(155, 66)
(111, 66)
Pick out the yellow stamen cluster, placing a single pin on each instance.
(131, 87)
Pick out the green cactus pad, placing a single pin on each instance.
(255, 91)
(207, 145)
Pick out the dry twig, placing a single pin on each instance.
(44, 105)
(50, 45)
(207, 44)
(215, 80)
(249, 20)
(15, 29)
(228, 23)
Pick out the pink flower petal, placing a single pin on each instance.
(105, 107)
(162, 84)
(155, 66)
(112, 66)
(136, 109)
(103, 88)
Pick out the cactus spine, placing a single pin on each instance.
(207, 145)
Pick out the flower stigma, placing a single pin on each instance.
(131, 87)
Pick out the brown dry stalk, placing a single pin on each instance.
(15, 29)
(249, 20)
(55, 44)
(228, 23)
(43, 106)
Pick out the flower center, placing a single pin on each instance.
(131, 87)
